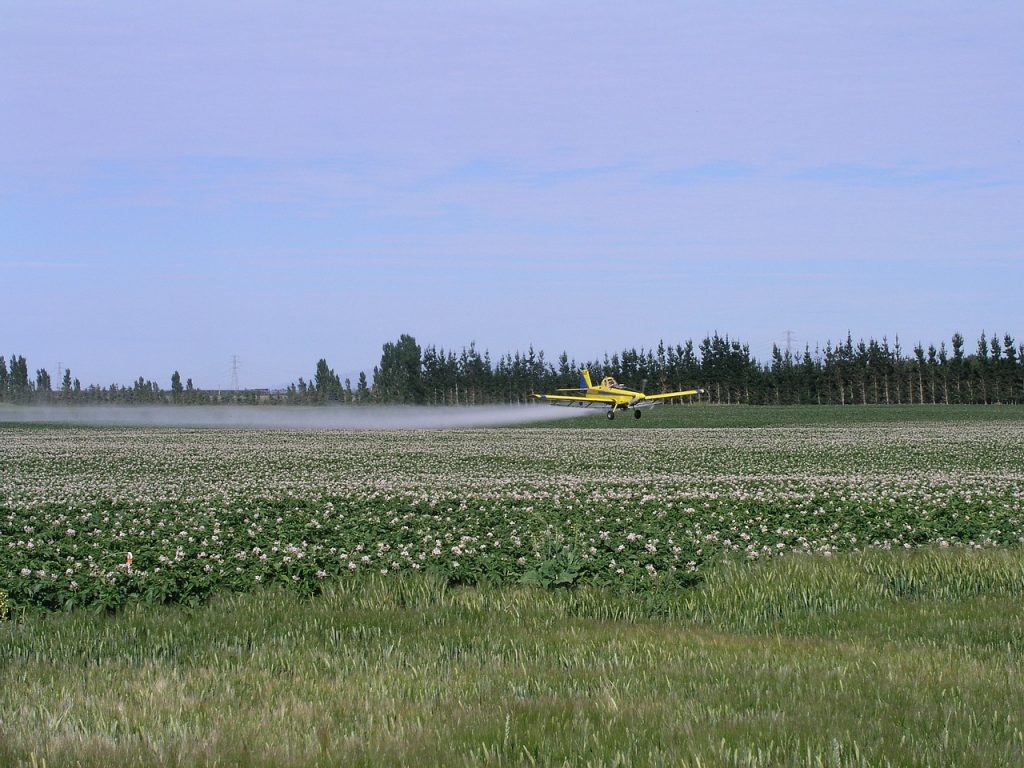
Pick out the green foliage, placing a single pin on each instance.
(362, 389)
(398, 379)
(872, 372)
(177, 390)
(560, 569)
(640, 509)
(326, 384)
(3, 605)
(787, 593)
(849, 672)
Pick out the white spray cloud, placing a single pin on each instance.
(291, 417)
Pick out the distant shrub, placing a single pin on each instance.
(3, 605)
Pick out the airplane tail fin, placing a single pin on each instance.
(585, 379)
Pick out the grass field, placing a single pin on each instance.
(835, 587)
(863, 660)
(705, 416)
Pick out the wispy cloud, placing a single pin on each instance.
(706, 173)
(858, 175)
(517, 174)
(38, 265)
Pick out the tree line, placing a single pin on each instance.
(17, 386)
(866, 372)
(845, 373)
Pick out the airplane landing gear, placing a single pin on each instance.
(636, 414)
(611, 414)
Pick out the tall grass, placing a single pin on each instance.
(760, 597)
(902, 659)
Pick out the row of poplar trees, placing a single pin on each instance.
(866, 372)
(17, 386)
(871, 372)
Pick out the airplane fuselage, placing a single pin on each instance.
(609, 395)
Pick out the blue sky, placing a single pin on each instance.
(284, 182)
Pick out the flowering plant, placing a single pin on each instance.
(103, 517)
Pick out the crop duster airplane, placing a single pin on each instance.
(611, 395)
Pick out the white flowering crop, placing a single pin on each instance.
(202, 510)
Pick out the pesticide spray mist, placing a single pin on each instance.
(292, 417)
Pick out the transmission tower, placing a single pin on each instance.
(789, 343)
(234, 372)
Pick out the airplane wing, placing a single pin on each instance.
(668, 395)
(577, 400)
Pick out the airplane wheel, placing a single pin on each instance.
(611, 415)
(637, 414)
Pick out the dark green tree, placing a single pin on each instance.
(398, 378)
(956, 367)
(995, 367)
(919, 372)
(326, 384)
(981, 368)
(43, 387)
(65, 385)
(932, 367)
(18, 383)
(943, 369)
(176, 389)
(1009, 369)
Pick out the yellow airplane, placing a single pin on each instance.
(611, 395)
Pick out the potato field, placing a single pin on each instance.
(765, 587)
(103, 517)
